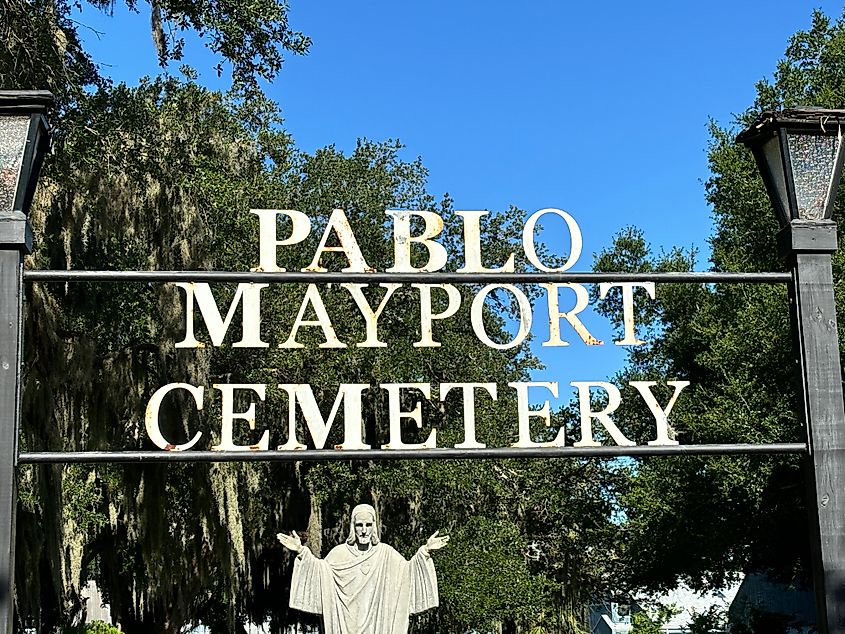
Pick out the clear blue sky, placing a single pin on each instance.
(598, 108)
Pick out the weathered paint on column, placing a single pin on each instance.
(814, 325)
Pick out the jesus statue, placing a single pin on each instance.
(363, 586)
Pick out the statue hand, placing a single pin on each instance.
(291, 542)
(436, 542)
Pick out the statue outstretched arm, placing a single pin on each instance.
(292, 542)
(436, 542)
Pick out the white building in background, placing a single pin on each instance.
(611, 617)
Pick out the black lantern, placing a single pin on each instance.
(23, 142)
(799, 153)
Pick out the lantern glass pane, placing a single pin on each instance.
(774, 161)
(813, 158)
(13, 133)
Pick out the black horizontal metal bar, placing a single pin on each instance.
(300, 277)
(324, 455)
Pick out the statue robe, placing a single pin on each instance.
(371, 592)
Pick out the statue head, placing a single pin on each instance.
(363, 526)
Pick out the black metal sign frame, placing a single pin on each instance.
(322, 455)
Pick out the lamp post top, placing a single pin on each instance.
(32, 101)
(805, 119)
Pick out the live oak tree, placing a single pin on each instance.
(706, 519)
(41, 45)
(101, 187)
(162, 176)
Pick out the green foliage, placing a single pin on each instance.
(652, 622)
(715, 517)
(97, 627)
(714, 619)
(40, 45)
(486, 580)
(40, 48)
(248, 35)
